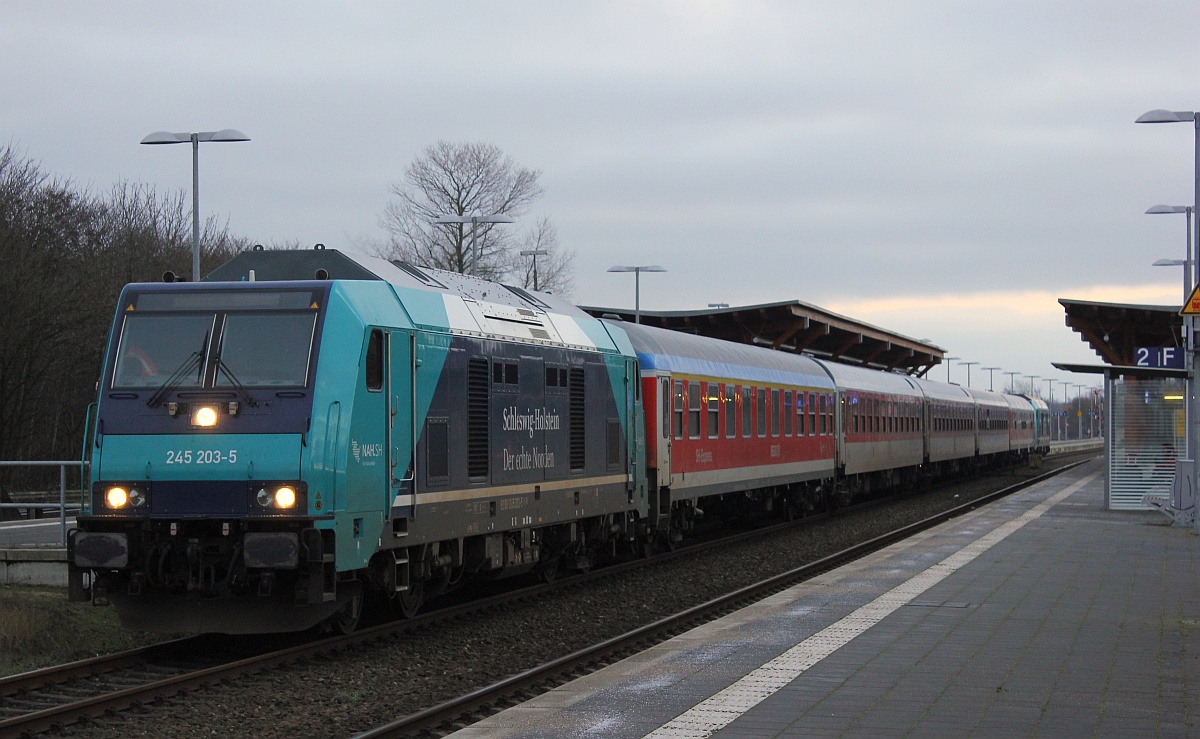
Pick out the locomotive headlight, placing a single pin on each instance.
(205, 416)
(137, 498)
(278, 496)
(124, 496)
(285, 497)
(116, 497)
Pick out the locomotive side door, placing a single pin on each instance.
(401, 374)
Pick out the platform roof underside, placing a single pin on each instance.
(1114, 330)
(798, 327)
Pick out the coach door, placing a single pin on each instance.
(663, 430)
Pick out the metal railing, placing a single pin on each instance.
(61, 505)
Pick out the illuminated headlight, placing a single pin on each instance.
(285, 497)
(276, 497)
(118, 497)
(205, 416)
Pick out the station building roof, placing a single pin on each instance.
(798, 327)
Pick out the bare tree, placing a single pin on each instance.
(459, 179)
(544, 264)
(67, 255)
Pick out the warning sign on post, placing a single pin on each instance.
(1192, 306)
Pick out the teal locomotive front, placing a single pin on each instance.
(215, 474)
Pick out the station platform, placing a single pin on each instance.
(32, 553)
(1044, 614)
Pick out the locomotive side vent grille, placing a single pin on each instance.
(478, 452)
(577, 439)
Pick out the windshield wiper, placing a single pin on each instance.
(189, 365)
(243, 393)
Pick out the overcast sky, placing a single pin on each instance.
(946, 170)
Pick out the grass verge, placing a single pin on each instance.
(39, 628)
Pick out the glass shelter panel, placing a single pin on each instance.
(1148, 434)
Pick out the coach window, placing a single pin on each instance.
(679, 404)
(775, 412)
(761, 404)
(714, 410)
(730, 411)
(799, 413)
(694, 409)
(747, 413)
(829, 410)
(375, 361)
(787, 413)
(812, 414)
(665, 392)
(822, 414)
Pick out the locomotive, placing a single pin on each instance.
(307, 429)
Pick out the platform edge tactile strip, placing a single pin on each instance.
(721, 709)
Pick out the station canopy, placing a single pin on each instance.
(1116, 330)
(797, 327)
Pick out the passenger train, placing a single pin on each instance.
(306, 429)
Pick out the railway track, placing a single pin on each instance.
(60, 696)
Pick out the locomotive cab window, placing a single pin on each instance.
(214, 339)
(375, 361)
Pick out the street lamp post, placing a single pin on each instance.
(1050, 403)
(990, 371)
(968, 366)
(1189, 272)
(1079, 408)
(637, 284)
(535, 253)
(1066, 408)
(166, 137)
(473, 268)
(1193, 404)
(1033, 382)
(948, 360)
(1188, 265)
(1012, 381)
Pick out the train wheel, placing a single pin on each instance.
(408, 602)
(345, 621)
(547, 571)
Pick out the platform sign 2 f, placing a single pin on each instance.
(1170, 357)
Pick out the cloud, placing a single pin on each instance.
(985, 304)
